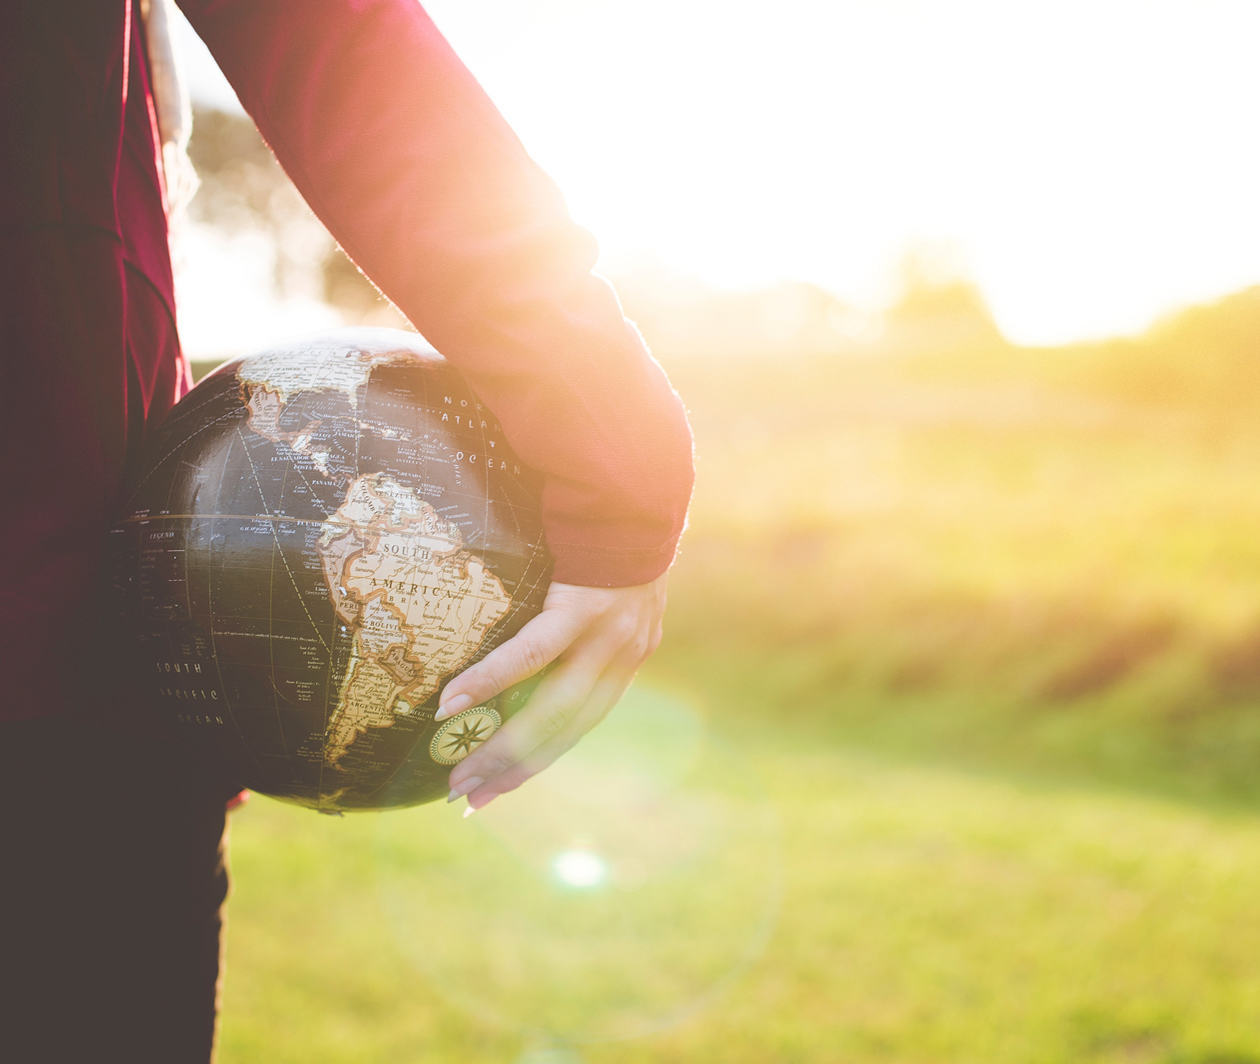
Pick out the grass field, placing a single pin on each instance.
(926, 914)
(950, 754)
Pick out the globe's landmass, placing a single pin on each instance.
(320, 536)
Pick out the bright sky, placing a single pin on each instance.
(1090, 163)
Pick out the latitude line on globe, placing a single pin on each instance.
(282, 518)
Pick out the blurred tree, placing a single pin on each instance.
(244, 190)
(937, 307)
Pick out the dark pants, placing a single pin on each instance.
(112, 875)
(111, 890)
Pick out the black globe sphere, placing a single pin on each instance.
(319, 537)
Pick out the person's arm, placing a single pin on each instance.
(417, 175)
(405, 159)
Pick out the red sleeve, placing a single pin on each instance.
(405, 159)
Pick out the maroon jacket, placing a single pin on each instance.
(406, 160)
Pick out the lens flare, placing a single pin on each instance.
(613, 895)
(579, 868)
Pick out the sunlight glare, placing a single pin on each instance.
(579, 868)
(1090, 159)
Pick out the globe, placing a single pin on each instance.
(318, 538)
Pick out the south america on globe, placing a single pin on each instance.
(318, 538)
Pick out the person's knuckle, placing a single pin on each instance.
(499, 671)
(647, 639)
(491, 763)
(475, 678)
(531, 656)
(494, 677)
(625, 628)
(553, 722)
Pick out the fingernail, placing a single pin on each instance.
(462, 788)
(468, 812)
(455, 705)
(482, 805)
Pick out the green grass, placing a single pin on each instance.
(897, 912)
(949, 755)
(987, 557)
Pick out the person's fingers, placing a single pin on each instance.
(532, 649)
(551, 706)
(598, 705)
(614, 617)
(537, 743)
(594, 639)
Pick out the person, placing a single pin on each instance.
(114, 872)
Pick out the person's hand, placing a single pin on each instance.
(597, 637)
